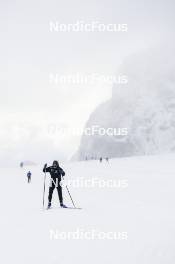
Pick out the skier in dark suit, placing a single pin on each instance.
(29, 174)
(56, 173)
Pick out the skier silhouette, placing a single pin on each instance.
(56, 172)
(29, 174)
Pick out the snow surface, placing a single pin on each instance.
(144, 209)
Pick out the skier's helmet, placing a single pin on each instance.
(55, 163)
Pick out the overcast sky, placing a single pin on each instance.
(32, 107)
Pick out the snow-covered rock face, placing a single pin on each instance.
(145, 106)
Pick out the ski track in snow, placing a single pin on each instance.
(144, 209)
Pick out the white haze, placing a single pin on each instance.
(29, 103)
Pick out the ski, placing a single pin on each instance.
(70, 208)
(53, 208)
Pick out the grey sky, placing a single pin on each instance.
(29, 103)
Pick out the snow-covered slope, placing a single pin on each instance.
(145, 106)
(141, 204)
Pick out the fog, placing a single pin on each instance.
(33, 108)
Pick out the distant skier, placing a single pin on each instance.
(107, 159)
(21, 164)
(56, 172)
(101, 159)
(29, 174)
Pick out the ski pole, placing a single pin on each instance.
(70, 196)
(44, 188)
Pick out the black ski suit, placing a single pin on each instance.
(29, 176)
(56, 173)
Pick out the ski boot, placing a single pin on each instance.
(63, 205)
(49, 205)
